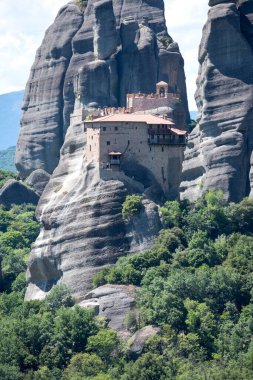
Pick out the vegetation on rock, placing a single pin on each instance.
(132, 206)
(82, 4)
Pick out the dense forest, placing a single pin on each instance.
(196, 284)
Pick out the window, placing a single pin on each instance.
(90, 148)
(108, 143)
(116, 128)
(150, 148)
(104, 128)
(128, 142)
(162, 149)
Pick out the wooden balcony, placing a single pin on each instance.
(166, 140)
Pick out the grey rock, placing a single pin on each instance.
(95, 83)
(38, 180)
(114, 303)
(82, 230)
(113, 57)
(212, 3)
(145, 227)
(42, 131)
(139, 339)
(220, 148)
(105, 33)
(15, 192)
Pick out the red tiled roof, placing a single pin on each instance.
(179, 131)
(139, 118)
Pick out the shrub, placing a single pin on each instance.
(132, 206)
(59, 296)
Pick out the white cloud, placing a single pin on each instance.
(23, 24)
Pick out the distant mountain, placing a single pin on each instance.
(10, 111)
(7, 159)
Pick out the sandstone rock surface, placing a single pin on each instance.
(82, 229)
(100, 54)
(15, 192)
(141, 336)
(112, 302)
(38, 180)
(219, 150)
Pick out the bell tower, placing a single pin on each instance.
(162, 88)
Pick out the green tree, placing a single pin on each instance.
(105, 344)
(84, 365)
(132, 206)
(201, 321)
(59, 296)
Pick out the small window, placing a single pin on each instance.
(104, 128)
(116, 128)
(108, 143)
(128, 142)
(162, 149)
(90, 148)
(85, 129)
(150, 148)
(91, 137)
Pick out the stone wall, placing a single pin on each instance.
(143, 103)
(162, 162)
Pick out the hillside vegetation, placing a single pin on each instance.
(7, 159)
(10, 110)
(195, 283)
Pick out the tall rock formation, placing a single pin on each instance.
(112, 48)
(82, 230)
(219, 151)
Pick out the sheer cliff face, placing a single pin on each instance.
(219, 151)
(113, 48)
(82, 230)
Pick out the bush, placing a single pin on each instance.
(132, 206)
(59, 296)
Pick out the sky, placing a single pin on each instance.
(24, 22)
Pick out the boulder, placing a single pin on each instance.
(38, 180)
(112, 302)
(139, 339)
(15, 192)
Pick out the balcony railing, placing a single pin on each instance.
(166, 140)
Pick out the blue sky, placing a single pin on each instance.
(23, 24)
